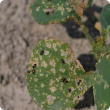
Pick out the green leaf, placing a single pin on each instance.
(105, 18)
(102, 87)
(58, 11)
(55, 79)
(52, 11)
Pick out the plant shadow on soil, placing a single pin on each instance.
(91, 16)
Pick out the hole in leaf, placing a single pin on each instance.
(79, 82)
(41, 53)
(69, 90)
(53, 70)
(80, 88)
(50, 99)
(49, 11)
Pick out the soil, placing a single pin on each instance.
(19, 33)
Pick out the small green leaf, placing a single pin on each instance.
(105, 18)
(102, 87)
(55, 77)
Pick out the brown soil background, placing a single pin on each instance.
(19, 33)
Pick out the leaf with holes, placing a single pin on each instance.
(54, 79)
(80, 5)
(57, 11)
(102, 87)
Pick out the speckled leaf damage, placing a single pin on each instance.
(54, 78)
(57, 11)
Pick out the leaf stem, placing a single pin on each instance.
(88, 36)
(86, 75)
(78, 76)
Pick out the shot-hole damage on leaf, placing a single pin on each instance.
(53, 11)
(50, 99)
(52, 78)
(69, 90)
(53, 89)
(62, 70)
(80, 88)
(59, 77)
(53, 70)
(49, 11)
(35, 79)
(78, 82)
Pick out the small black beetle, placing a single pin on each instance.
(28, 71)
(33, 71)
(62, 61)
(34, 66)
(41, 53)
